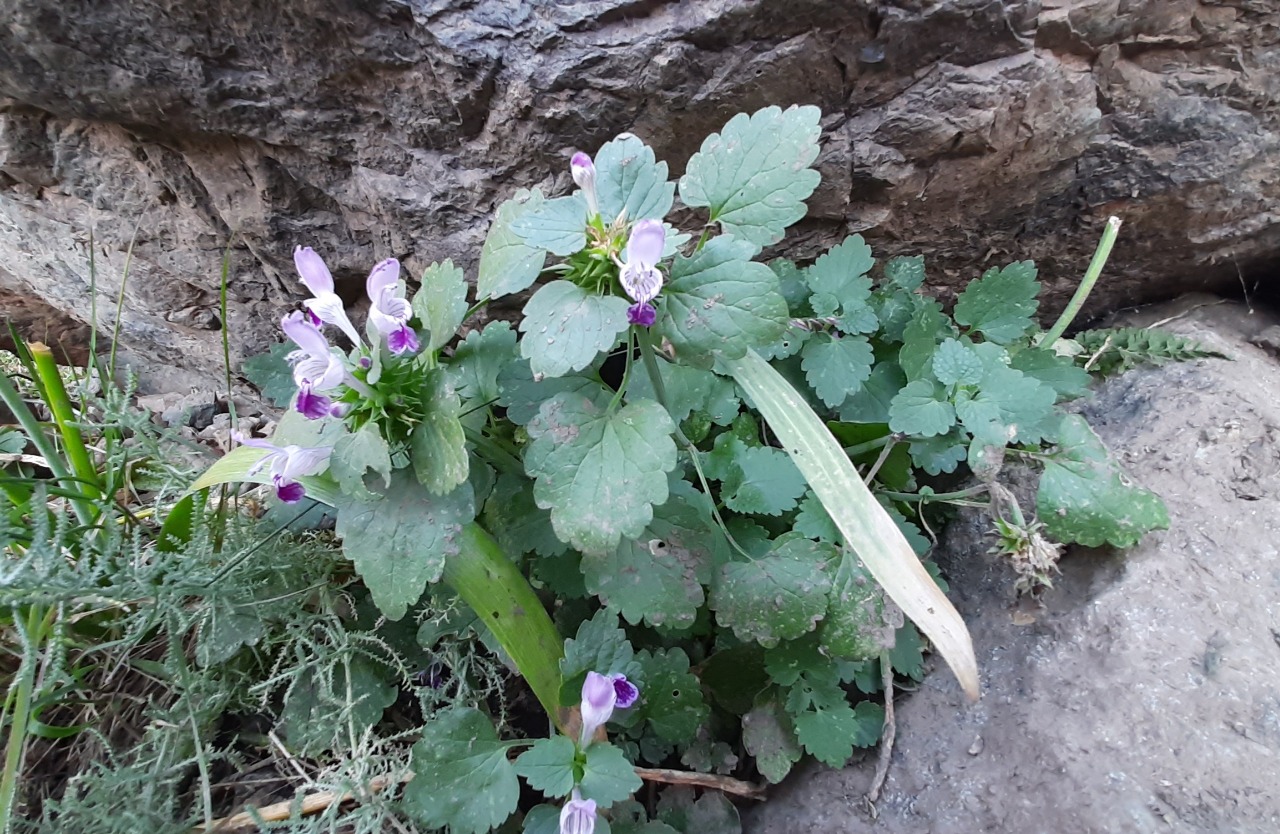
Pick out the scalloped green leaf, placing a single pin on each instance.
(836, 367)
(955, 364)
(779, 597)
(599, 473)
(829, 734)
(548, 766)
(507, 263)
(769, 735)
(719, 302)
(659, 576)
(1001, 305)
(565, 328)
(840, 286)
(607, 776)
(441, 303)
(479, 359)
(921, 409)
(354, 455)
(1085, 497)
(629, 177)
(438, 446)
(558, 226)
(861, 620)
(754, 175)
(672, 700)
(462, 779)
(399, 542)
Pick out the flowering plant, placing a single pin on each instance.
(665, 455)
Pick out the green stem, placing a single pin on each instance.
(9, 394)
(927, 498)
(502, 597)
(1086, 286)
(626, 373)
(65, 419)
(16, 744)
(871, 445)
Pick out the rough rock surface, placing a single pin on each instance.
(1145, 696)
(979, 131)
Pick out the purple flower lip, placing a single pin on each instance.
(287, 464)
(601, 694)
(311, 405)
(390, 311)
(642, 313)
(578, 816)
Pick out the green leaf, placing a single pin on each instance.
(480, 358)
(689, 389)
(814, 522)
(768, 734)
(835, 367)
(719, 302)
(779, 597)
(565, 328)
(522, 396)
(629, 177)
(793, 286)
(735, 676)
(229, 627)
(841, 287)
(1019, 406)
(1058, 372)
(712, 813)
(271, 375)
(399, 542)
(754, 176)
(548, 766)
(462, 779)
(438, 446)
(1001, 305)
(905, 273)
(354, 455)
(921, 409)
(600, 474)
(1085, 497)
(607, 776)
(659, 576)
(507, 263)
(861, 621)
(928, 326)
(938, 455)
(559, 225)
(955, 364)
(672, 697)
(441, 303)
(517, 522)
(870, 403)
(599, 646)
(829, 735)
(762, 480)
(907, 656)
(318, 709)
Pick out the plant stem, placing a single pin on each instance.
(1100, 256)
(871, 445)
(626, 373)
(9, 394)
(926, 498)
(16, 744)
(65, 419)
(502, 597)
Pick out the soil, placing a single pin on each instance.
(1143, 694)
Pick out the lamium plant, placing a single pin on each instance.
(708, 472)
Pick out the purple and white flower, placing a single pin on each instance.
(601, 694)
(584, 174)
(287, 464)
(578, 816)
(390, 312)
(325, 306)
(316, 368)
(640, 277)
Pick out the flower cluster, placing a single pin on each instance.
(318, 370)
(601, 695)
(287, 464)
(638, 275)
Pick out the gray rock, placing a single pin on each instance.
(204, 136)
(1144, 696)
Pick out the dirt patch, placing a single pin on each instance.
(1145, 695)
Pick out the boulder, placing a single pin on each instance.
(1144, 696)
(178, 142)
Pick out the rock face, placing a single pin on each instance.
(1144, 697)
(186, 140)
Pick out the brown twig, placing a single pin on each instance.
(737, 787)
(317, 802)
(890, 729)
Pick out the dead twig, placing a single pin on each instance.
(737, 787)
(890, 730)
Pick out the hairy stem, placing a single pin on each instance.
(1086, 286)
